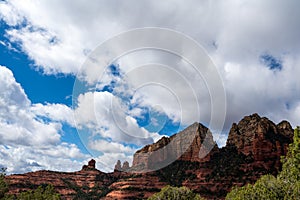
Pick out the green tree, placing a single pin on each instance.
(175, 193)
(290, 174)
(3, 184)
(267, 187)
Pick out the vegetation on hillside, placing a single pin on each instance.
(285, 186)
(177, 172)
(43, 192)
(175, 193)
(3, 184)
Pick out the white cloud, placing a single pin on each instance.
(20, 159)
(107, 116)
(56, 112)
(110, 147)
(11, 92)
(27, 142)
(255, 88)
(9, 14)
(18, 124)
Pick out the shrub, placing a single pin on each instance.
(175, 193)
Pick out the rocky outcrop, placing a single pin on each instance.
(125, 167)
(192, 144)
(91, 165)
(254, 147)
(118, 166)
(261, 139)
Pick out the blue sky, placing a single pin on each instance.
(47, 122)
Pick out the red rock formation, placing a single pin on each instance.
(118, 166)
(192, 144)
(91, 165)
(67, 184)
(125, 166)
(261, 138)
(253, 148)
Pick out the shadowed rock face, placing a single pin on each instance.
(192, 144)
(253, 148)
(91, 165)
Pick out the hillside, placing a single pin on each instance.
(254, 147)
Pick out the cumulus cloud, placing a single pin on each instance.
(268, 92)
(21, 159)
(106, 116)
(27, 142)
(110, 147)
(18, 124)
(56, 112)
(166, 81)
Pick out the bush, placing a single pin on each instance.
(175, 193)
(267, 187)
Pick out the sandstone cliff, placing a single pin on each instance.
(192, 144)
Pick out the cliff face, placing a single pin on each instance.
(192, 144)
(261, 139)
(253, 148)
